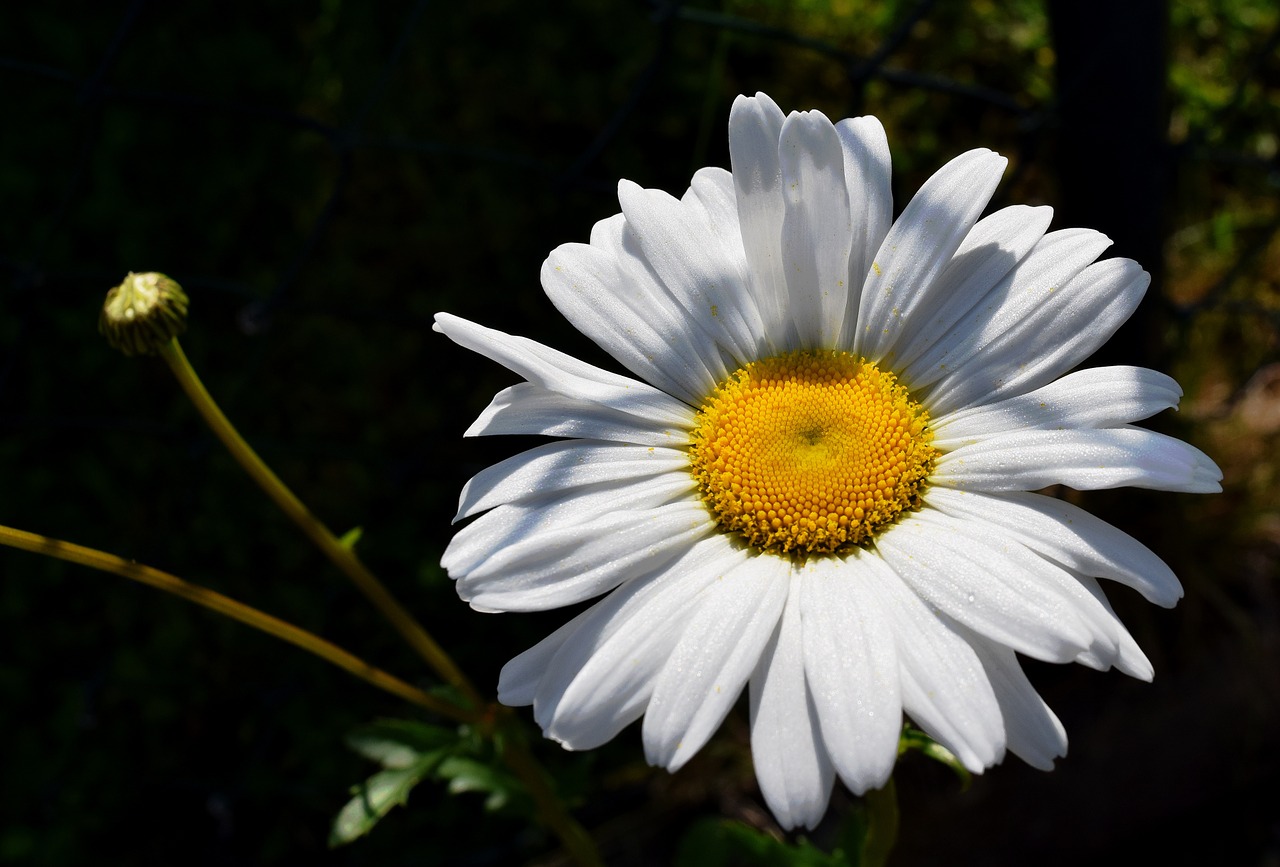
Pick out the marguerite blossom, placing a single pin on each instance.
(818, 486)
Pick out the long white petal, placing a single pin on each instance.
(1070, 323)
(602, 676)
(919, 248)
(1034, 733)
(1068, 535)
(993, 247)
(978, 586)
(631, 319)
(683, 251)
(1004, 311)
(551, 469)
(868, 178)
(816, 228)
(851, 666)
(526, 408)
(1082, 459)
(755, 124)
(1092, 398)
(710, 664)
(512, 523)
(565, 565)
(945, 689)
(1127, 656)
(564, 374)
(1109, 643)
(791, 761)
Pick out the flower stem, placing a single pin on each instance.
(882, 821)
(229, 607)
(340, 555)
(515, 750)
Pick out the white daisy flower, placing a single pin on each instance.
(819, 485)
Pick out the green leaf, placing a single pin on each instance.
(466, 774)
(375, 797)
(397, 744)
(723, 843)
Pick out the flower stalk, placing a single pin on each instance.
(339, 554)
(233, 609)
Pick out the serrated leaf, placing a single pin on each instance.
(397, 744)
(469, 775)
(375, 797)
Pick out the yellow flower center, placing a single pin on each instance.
(811, 452)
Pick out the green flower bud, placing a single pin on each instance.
(142, 314)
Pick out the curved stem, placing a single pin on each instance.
(340, 555)
(229, 607)
(515, 750)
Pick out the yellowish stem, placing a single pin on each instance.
(340, 555)
(225, 605)
(515, 753)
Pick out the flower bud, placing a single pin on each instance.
(143, 313)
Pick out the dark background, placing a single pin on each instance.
(322, 177)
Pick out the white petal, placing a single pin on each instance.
(1068, 535)
(815, 228)
(990, 251)
(867, 176)
(563, 374)
(601, 678)
(526, 408)
(565, 565)
(508, 524)
(1109, 641)
(553, 468)
(920, 245)
(1082, 459)
(755, 125)
(520, 678)
(632, 319)
(1004, 311)
(683, 250)
(1093, 397)
(650, 298)
(980, 587)
(1070, 324)
(852, 669)
(945, 689)
(710, 664)
(1034, 733)
(1127, 656)
(791, 761)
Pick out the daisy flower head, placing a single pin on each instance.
(818, 483)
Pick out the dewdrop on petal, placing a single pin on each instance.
(143, 313)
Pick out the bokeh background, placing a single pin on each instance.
(324, 176)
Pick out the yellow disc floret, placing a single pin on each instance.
(811, 452)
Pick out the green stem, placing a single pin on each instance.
(340, 555)
(225, 605)
(882, 824)
(515, 750)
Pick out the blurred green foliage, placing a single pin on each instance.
(322, 177)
